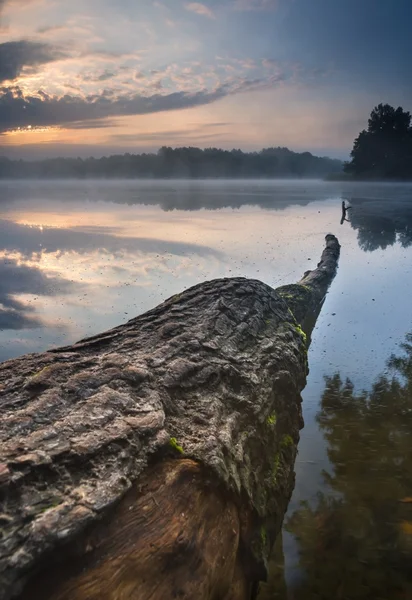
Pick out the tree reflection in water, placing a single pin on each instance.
(357, 542)
(381, 223)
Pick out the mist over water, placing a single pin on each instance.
(80, 257)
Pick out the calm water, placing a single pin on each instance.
(79, 257)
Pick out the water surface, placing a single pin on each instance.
(79, 257)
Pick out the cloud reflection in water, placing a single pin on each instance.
(67, 281)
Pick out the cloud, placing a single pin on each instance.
(23, 279)
(14, 319)
(96, 124)
(197, 133)
(51, 29)
(18, 110)
(200, 9)
(3, 3)
(256, 4)
(104, 76)
(15, 56)
(30, 242)
(181, 136)
(269, 62)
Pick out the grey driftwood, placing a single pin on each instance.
(212, 375)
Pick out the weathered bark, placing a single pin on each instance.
(275, 587)
(156, 460)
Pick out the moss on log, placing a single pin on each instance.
(156, 460)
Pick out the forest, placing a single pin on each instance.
(192, 163)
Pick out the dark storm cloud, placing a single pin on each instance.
(17, 110)
(14, 56)
(11, 319)
(21, 279)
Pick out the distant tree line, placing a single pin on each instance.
(384, 150)
(178, 163)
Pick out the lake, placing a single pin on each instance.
(77, 258)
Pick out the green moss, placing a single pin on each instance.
(263, 535)
(287, 441)
(52, 504)
(174, 444)
(40, 373)
(271, 420)
(301, 333)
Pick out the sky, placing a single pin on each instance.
(102, 77)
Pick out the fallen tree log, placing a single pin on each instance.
(156, 460)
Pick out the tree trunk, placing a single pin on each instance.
(156, 460)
